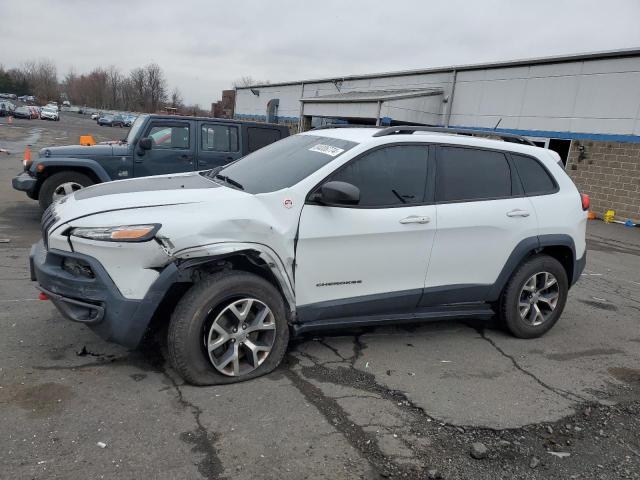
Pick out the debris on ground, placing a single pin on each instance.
(434, 474)
(479, 450)
(101, 444)
(560, 454)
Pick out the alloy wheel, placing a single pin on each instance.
(538, 298)
(240, 337)
(65, 189)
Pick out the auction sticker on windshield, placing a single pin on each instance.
(327, 150)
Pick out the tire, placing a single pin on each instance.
(202, 306)
(521, 287)
(57, 179)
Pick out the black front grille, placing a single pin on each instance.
(48, 219)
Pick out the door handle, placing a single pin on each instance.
(186, 158)
(517, 213)
(415, 219)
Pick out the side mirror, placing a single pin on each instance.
(339, 193)
(145, 143)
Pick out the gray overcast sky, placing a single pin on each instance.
(204, 45)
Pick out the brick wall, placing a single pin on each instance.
(610, 173)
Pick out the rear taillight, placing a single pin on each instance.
(586, 202)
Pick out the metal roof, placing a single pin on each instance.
(629, 52)
(373, 96)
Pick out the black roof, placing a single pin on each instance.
(221, 120)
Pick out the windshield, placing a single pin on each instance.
(135, 128)
(282, 164)
(48, 110)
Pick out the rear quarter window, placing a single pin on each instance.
(259, 137)
(469, 174)
(534, 177)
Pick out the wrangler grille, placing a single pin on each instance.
(48, 219)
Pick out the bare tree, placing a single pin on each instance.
(114, 81)
(137, 78)
(43, 79)
(156, 86)
(244, 81)
(176, 99)
(143, 89)
(248, 81)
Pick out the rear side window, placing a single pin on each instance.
(389, 176)
(261, 137)
(466, 174)
(219, 138)
(534, 177)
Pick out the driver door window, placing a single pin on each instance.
(169, 137)
(389, 176)
(171, 150)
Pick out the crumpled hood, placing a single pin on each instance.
(139, 193)
(77, 151)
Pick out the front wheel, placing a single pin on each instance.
(535, 296)
(228, 328)
(60, 185)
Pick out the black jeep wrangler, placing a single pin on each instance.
(155, 145)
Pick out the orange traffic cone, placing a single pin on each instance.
(27, 154)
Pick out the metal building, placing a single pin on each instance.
(571, 104)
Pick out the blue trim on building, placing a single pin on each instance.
(600, 137)
(263, 118)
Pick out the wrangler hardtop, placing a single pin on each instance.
(155, 145)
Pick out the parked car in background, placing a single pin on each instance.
(129, 119)
(111, 121)
(333, 228)
(6, 108)
(95, 116)
(23, 112)
(48, 113)
(155, 145)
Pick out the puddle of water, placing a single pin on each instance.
(626, 375)
(17, 146)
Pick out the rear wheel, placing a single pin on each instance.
(228, 328)
(60, 185)
(535, 296)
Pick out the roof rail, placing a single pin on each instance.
(408, 129)
(343, 125)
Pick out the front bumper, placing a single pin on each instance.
(96, 301)
(24, 182)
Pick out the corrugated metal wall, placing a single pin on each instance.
(592, 96)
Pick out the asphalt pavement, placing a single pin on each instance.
(404, 402)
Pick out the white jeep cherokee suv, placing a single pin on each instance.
(331, 228)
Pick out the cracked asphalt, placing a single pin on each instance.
(403, 402)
